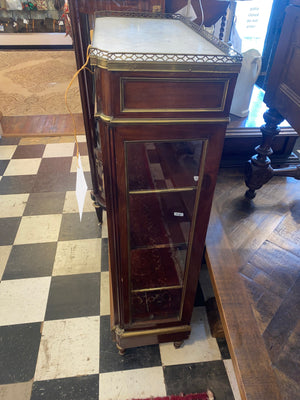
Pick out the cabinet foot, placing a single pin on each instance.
(98, 207)
(179, 344)
(99, 212)
(121, 350)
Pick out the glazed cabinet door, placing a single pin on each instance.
(164, 177)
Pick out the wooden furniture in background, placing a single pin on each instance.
(162, 110)
(283, 99)
(213, 9)
(244, 134)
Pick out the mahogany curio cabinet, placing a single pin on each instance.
(163, 88)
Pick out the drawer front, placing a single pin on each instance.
(160, 95)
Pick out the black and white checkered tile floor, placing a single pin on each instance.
(55, 338)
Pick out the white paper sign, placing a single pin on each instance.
(81, 187)
(188, 12)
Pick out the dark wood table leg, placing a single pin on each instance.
(258, 170)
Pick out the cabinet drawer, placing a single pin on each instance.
(140, 95)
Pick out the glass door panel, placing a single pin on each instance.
(162, 181)
(160, 304)
(163, 165)
(160, 218)
(157, 267)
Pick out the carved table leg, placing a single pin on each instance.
(258, 169)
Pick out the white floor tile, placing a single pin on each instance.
(77, 257)
(4, 254)
(104, 294)
(200, 347)
(38, 229)
(6, 152)
(84, 162)
(58, 150)
(68, 348)
(16, 391)
(19, 167)
(23, 300)
(232, 379)
(132, 384)
(81, 138)
(71, 205)
(13, 205)
(104, 231)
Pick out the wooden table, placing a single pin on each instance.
(253, 258)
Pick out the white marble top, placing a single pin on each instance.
(146, 35)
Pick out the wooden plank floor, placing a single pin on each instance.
(253, 255)
(42, 125)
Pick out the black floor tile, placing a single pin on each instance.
(3, 166)
(75, 388)
(104, 255)
(29, 151)
(83, 150)
(197, 378)
(45, 203)
(30, 261)
(19, 345)
(199, 298)
(8, 231)
(111, 360)
(73, 296)
(54, 175)
(223, 348)
(17, 184)
(73, 229)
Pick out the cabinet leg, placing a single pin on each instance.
(98, 208)
(178, 344)
(99, 212)
(121, 350)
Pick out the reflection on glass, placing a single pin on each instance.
(163, 165)
(162, 186)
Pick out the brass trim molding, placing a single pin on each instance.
(162, 67)
(173, 121)
(121, 333)
(156, 289)
(171, 190)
